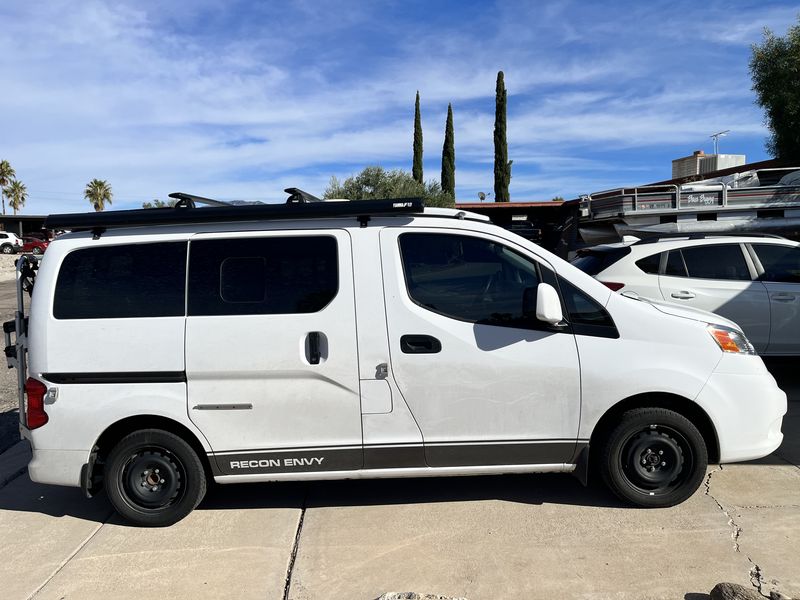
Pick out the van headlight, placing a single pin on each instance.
(731, 340)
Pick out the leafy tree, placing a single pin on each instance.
(557, 199)
(375, 183)
(156, 203)
(98, 192)
(502, 166)
(416, 168)
(17, 194)
(449, 156)
(775, 69)
(7, 175)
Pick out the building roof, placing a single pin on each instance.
(508, 205)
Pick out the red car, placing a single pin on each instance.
(34, 245)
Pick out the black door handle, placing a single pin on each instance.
(314, 353)
(420, 344)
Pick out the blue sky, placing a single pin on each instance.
(236, 99)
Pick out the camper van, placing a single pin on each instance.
(164, 348)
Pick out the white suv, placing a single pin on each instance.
(10, 243)
(752, 280)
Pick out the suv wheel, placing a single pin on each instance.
(654, 458)
(154, 478)
(7, 249)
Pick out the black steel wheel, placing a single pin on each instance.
(154, 478)
(654, 458)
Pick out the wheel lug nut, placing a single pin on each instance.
(663, 464)
(162, 481)
(144, 484)
(660, 452)
(644, 462)
(156, 470)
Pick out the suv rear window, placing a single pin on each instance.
(781, 263)
(594, 260)
(650, 264)
(117, 282)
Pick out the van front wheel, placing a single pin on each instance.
(654, 458)
(154, 478)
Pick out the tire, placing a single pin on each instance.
(154, 478)
(654, 458)
(36, 250)
(7, 249)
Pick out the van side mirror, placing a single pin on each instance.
(548, 304)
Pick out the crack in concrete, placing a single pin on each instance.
(295, 546)
(756, 575)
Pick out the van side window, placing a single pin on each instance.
(262, 276)
(468, 278)
(586, 315)
(117, 282)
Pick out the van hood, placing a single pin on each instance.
(687, 312)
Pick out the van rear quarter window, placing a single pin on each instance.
(266, 275)
(126, 281)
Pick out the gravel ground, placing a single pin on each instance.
(9, 418)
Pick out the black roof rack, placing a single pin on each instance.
(296, 195)
(222, 212)
(652, 239)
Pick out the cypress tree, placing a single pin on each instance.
(449, 156)
(416, 170)
(502, 166)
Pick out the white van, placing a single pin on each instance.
(337, 340)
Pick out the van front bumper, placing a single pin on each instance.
(746, 406)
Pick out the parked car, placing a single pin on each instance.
(751, 280)
(10, 243)
(372, 339)
(34, 245)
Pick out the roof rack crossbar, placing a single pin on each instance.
(191, 201)
(232, 213)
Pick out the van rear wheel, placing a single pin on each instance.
(654, 458)
(154, 478)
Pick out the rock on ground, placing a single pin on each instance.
(734, 591)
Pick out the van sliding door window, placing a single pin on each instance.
(262, 276)
(117, 282)
(468, 278)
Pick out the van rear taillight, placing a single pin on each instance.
(613, 285)
(35, 391)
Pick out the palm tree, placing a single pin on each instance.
(98, 192)
(17, 193)
(7, 175)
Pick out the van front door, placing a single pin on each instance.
(487, 384)
(271, 358)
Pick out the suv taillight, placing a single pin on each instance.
(35, 391)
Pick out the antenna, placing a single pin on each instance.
(716, 136)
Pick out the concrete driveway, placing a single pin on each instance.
(542, 536)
